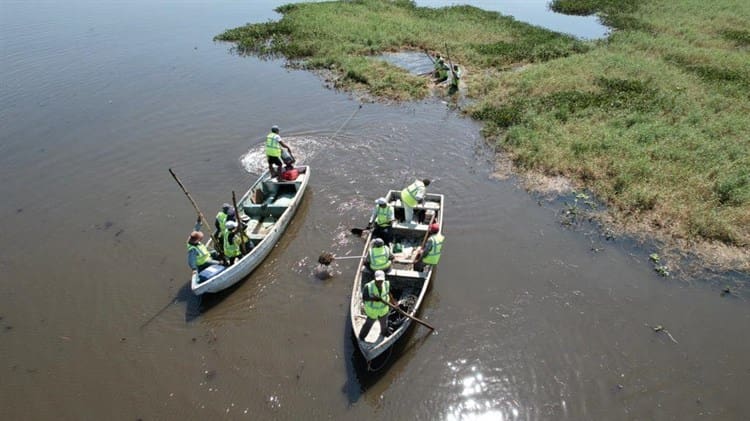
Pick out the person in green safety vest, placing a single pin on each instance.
(441, 69)
(273, 151)
(231, 242)
(430, 255)
(198, 256)
(382, 218)
(374, 294)
(226, 212)
(411, 196)
(379, 257)
(455, 79)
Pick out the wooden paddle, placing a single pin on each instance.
(427, 234)
(397, 308)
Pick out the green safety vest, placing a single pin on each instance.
(379, 258)
(384, 216)
(230, 249)
(456, 77)
(436, 244)
(376, 309)
(203, 254)
(222, 218)
(441, 68)
(273, 148)
(409, 194)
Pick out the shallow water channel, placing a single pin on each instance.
(99, 99)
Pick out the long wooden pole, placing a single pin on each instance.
(447, 54)
(397, 308)
(239, 224)
(184, 190)
(195, 206)
(427, 234)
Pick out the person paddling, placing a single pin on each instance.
(374, 294)
(430, 255)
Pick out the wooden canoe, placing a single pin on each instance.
(408, 286)
(270, 204)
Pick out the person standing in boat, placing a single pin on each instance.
(374, 294)
(198, 256)
(273, 151)
(221, 219)
(430, 255)
(379, 257)
(382, 218)
(226, 213)
(411, 196)
(231, 242)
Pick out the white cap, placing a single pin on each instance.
(379, 275)
(381, 201)
(231, 224)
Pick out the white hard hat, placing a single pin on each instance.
(378, 242)
(231, 224)
(379, 275)
(381, 201)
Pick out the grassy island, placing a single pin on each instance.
(653, 119)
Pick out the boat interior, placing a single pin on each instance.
(266, 202)
(406, 282)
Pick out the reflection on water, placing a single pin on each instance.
(479, 398)
(414, 62)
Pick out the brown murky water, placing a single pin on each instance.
(96, 319)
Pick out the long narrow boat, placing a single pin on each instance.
(408, 286)
(267, 208)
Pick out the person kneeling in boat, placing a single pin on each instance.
(430, 256)
(379, 257)
(375, 293)
(198, 256)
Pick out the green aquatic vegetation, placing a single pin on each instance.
(651, 120)
(336, 35)
(741, 37)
